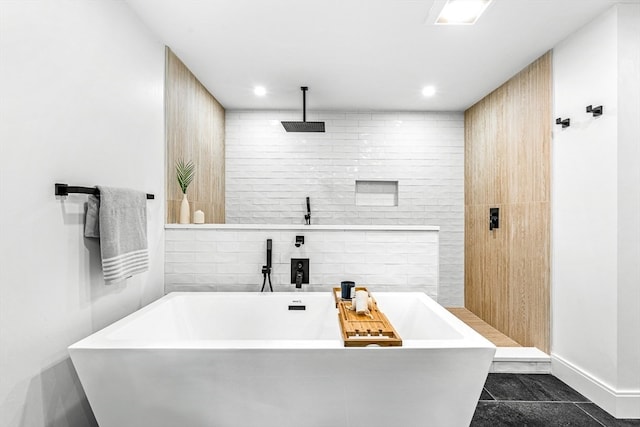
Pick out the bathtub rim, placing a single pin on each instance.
(100, 340)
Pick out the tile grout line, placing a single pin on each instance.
(580, 404)
(539, 401)
(489, 393)
(597, 420)
(548, 401)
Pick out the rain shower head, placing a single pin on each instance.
(304, 125)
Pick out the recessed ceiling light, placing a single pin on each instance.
(462, 12)
(429, 91)
(259, 91)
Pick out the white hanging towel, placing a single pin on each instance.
(122, 229)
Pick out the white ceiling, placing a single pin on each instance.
(357, 54)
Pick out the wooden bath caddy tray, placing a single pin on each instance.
(361, 330)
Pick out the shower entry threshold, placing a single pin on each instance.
(520, 360)
(510, 356)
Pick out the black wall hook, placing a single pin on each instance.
(596, 111)
(565, 123)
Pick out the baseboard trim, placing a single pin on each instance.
(620, 404)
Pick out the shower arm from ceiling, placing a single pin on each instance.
(304, 125)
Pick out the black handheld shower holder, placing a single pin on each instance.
(266, 269)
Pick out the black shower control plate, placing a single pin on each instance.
(494, 218)
(305, 269)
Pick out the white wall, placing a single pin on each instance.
(270, 172)
(82, 103)
(595, 211)
(629, 197)
(230, 257)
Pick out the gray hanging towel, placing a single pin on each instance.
(122, 228)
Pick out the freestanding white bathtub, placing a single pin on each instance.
(246, 359)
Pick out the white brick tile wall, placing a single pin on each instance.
(270, 172)
(232, 260)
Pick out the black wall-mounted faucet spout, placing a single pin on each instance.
(307, 217)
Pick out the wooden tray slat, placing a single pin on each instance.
(360, 330)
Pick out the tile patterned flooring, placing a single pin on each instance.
(538, 400)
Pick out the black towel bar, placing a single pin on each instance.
(64, 190)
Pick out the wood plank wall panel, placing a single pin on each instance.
(194, 128)
(507, 165)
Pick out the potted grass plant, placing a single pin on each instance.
(185, 172)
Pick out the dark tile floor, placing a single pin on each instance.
(538, 400)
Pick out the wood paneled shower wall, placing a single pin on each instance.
(194, 130)
(507, 165)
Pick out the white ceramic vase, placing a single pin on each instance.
(184, 210)
(198, 217)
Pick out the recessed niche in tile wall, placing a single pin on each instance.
(377, 193)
